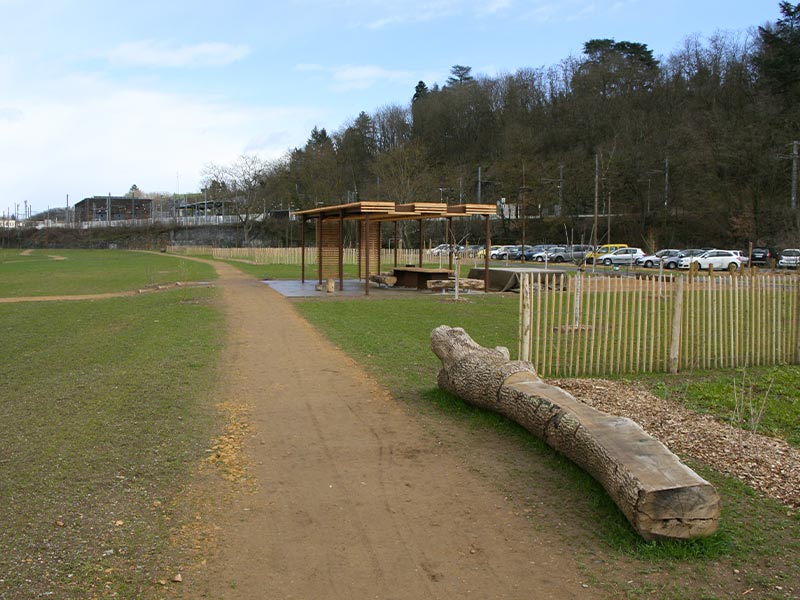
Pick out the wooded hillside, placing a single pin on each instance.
(694, 148)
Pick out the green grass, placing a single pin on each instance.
(104, 411)
(713, 392)
(92, 272)
(402, 360)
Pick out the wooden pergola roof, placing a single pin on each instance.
(390, 211)
(378, 212)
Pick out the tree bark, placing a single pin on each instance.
(660, 496)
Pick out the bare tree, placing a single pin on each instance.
(243, 185)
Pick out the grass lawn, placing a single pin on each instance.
(756, 536)
(91, 271)
(104, 411)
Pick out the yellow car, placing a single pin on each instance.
(482, 251)
(601, 252)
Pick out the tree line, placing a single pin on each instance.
(690, 149)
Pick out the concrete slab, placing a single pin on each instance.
(352, 288)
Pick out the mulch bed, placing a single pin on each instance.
(766, 464)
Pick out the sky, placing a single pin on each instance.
(96, 96)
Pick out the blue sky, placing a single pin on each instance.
(96, 96)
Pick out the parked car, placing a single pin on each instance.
(623, 256)
(546, 253)
(790, 259)
(654, 260)
(519, 253)
(742, 255)
(575, 253)
(482, 251)
(601, 252)
(497, 251)
(445, 249)
(720, 259)
(671, 262)
(763, 256)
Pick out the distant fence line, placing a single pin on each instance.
(600, 326)
(291, 256)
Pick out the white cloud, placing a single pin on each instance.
(10, 114)
(491, 7)
(309, 67)
(345, 78)
(95, 137)
(359, 77)
(150, 53)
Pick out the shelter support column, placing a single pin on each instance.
(450, 238)
(319, 250)
(421, 243)
(366, 254)
(395, 243)
(303, 249)
(486, 256)
(341, 251)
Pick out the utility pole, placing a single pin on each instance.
(479, 185)
(793, 202)
(596, 196)
(794, 174)
(524, 215)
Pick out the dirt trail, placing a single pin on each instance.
(353, 498)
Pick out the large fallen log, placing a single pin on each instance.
(660, 496)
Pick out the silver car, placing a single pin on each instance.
(655, 260)
(623, 256)
(790, 259)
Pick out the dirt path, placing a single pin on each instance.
(352, 497)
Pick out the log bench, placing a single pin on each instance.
(464, 283)
(660, 496)
(384, 279)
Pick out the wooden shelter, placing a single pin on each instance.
(370, 216)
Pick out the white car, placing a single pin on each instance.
(623, 256)
(721, 260)
(790, 259)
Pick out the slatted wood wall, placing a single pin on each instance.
(329, 267)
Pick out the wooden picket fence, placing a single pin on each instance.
(291, 256)
(586, 325)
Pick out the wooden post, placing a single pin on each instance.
(450, 238)
(486, 258)
(395, 243)
(319, 249)
(421, 243)
(380, 248)
(796, 316)
(677, 316)
(366, 254)
(341, 251)
(525, 310)
(303, 250)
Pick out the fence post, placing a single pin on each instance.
(525, 309)
(674, 350)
